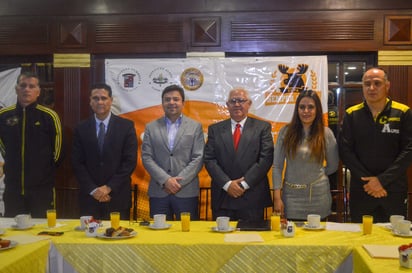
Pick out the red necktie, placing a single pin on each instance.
(236, 136)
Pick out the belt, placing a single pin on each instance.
(296, 186)
(304, 186)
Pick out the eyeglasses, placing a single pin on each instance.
(310, 107)
(237, 100)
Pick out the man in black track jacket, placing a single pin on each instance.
(31, 144)
(376, 145)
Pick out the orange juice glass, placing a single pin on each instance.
(115, 219)
(367, 223)
(275, 222)
(51, 218)
(185, 219)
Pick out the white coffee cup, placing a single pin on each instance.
(159, 220)
(84, 221)
(394, 219)
(222, 222)
(313, 220)
(404, 227)
(23, 220)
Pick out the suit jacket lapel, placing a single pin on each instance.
(227, 137)
(163, 132)
(246, 138)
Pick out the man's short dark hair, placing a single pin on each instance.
(27, 74)
(174, 87)
(103, 86)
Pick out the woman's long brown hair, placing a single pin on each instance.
(295, 135)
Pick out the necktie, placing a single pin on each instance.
(236, 136)
(100, 136)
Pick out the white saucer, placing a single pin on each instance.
(230, 229)
(16, 227)
(321, 227)
(151, 226)
(396, 233)
(79, 228)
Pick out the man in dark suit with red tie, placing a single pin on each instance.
(104, 156)
(238, 168)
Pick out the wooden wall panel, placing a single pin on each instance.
(72, 103)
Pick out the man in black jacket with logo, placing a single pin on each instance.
(376, 145)
(31, 144)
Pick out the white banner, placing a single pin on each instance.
(8, 79)
(137, 83)
(273, 83)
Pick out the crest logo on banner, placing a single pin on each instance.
(160, 77)
(191, 79)
(293, 80)
(129, 79)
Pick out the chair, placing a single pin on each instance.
(204, 204)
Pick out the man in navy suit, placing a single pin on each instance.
(104, 172)
(240, 187)
(172, 153)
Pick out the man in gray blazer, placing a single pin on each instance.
(240, 187)
(172, 153)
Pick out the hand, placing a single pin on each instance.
(102, 194)
(235, 190)
(373, 187)
(278, 206)
(172, 185)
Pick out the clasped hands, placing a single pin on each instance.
(235, 189)
(102, 194)
(373, 187)
(172, 185)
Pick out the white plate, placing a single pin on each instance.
(396, 233)
(12, 244)
(21, 228)
(2, 231)
(230, 229)
(102, 236)
(167, 226)
(313, 228)
(388, 226)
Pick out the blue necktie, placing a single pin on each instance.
(100, 136)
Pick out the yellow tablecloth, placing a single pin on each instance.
(31, 257)
(202, 250)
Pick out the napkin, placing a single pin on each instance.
(243, 238)
(382, 251)
(343, 227)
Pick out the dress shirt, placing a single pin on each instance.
(233, 125)
(172, 128)
(106, 123)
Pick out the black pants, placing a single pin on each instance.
(34, 201)
(381, 209)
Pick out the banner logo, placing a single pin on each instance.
(191, 79)
(292, 81)
(160, 77)
(128, 79)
